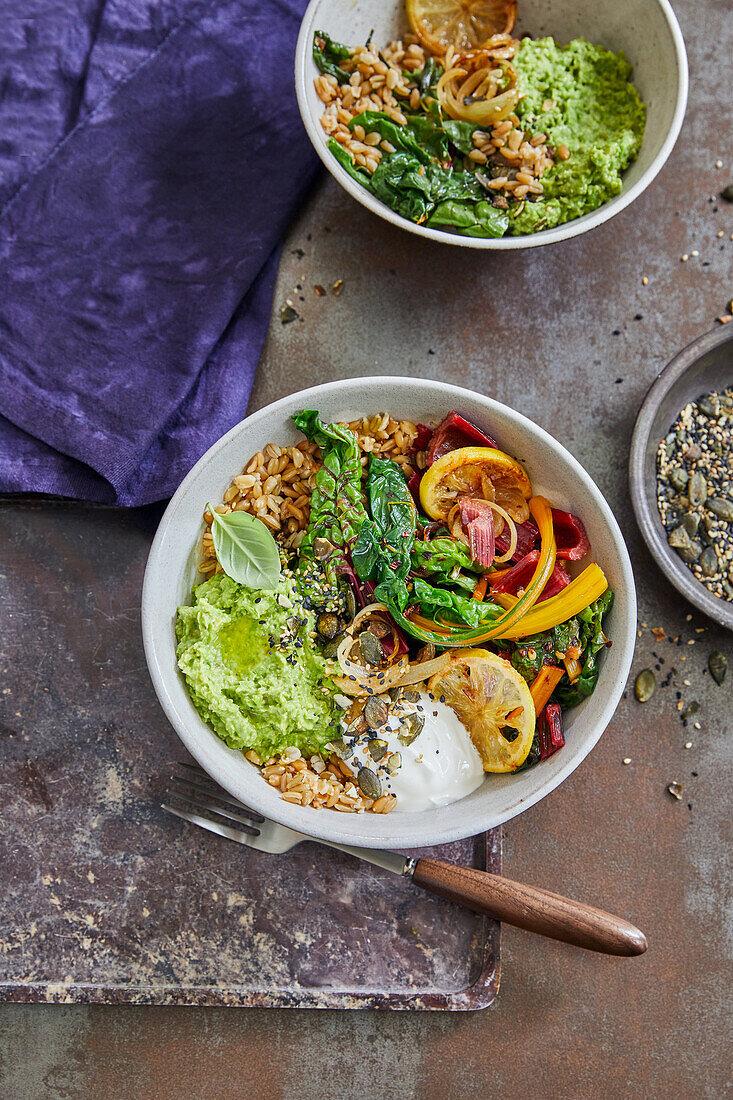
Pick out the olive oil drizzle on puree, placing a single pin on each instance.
(581, 97)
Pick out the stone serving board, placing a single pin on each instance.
(107, 899)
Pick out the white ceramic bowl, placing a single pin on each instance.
(171, 572)
(646, 30)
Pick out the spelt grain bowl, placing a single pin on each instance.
(390, 621)
(478, 132)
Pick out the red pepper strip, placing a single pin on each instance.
(481, 539)
(518, 576)
(549, 727)
(572, 541)
(527, 535)
(423, 437)
(414, 486)
(455, 431)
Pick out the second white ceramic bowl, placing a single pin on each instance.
(171, 572)
(646, 30)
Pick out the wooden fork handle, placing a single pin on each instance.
(530, 907)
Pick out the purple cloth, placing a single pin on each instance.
(151, 157)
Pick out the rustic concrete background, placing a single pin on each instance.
(554, 333)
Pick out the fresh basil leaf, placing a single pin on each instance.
(245, 549)
(327, 54)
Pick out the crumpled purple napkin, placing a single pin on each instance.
(151, 158)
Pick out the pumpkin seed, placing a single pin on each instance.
(709, 562)
(377, 749)
(721, 507)
(369, 783)
(691, 522)
(692, 553)
(679, 539)
(394, 762)
(371, 650)
(691, 709)
(379, 629)
(709, 406)
(376, 711)
(327, 625)
(357, 727)
(697, 489)
(342, 749)
(678, 478)
(411, 728)
(322, 548)
(331, 648)
(645, 684)
(718, 665)
(350, 604)
(727, 193)
(410, 696)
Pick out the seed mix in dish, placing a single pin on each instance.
(388, 614)
(695, 489)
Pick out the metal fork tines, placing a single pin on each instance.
(195, 789)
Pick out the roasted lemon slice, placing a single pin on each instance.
(465, 24)
(481, 472)
(494, 704)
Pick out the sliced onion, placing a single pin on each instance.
(512, 533)
(373, 680)
(474, 75)
(424, 669)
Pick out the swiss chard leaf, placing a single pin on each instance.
(472, 219)
(462, 609)
(428, 77)
(442, 556)
(337, 508)
(327, 54)
(593, 640)
(346, 161)
(430, 136)
(529, 654)
(399, 136)
(460, 134)
(382, 550)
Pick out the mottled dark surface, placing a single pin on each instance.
(537, 331)
(111, 900)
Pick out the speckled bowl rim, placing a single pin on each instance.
(304, 73)
(376, 830)
(643, 489)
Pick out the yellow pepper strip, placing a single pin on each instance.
(541, 510)
(578, 595)
(543, 686)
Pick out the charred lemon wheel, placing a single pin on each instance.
(465, 24)
(476, 472)
(494, 704)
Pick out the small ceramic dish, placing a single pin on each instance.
(172, 571)
(703, 366)
(646, 30)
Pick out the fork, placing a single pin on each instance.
(528, 907)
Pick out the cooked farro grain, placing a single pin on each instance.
(276, 485)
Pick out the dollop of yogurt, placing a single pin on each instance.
(440, 766)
